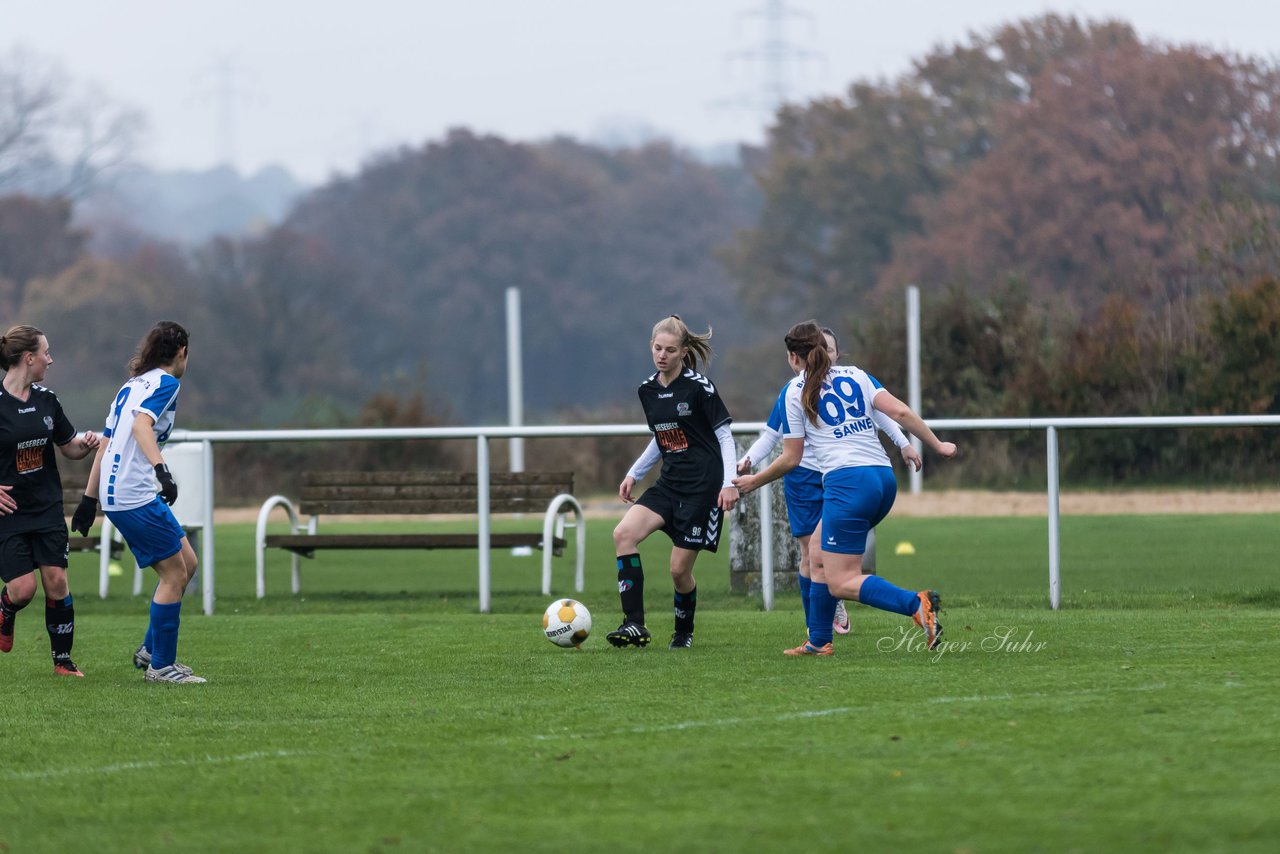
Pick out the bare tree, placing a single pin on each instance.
(55, 140)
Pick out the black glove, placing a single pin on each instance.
(82, 519)
(168, 486)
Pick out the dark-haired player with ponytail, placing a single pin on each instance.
(136, 490)
(829, 410)
(33, 527)
(691, 435)
(802, 489)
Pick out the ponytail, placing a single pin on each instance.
(807, 342)
(696, 346)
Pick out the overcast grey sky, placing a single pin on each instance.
(318, 84)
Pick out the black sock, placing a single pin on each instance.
(631, 587)
(7, 603)
(685, 605)
(60, 620)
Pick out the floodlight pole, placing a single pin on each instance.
(913, 376)
(515, 391)
(515, 377)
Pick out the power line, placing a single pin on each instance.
(225, 83)
(772, 60)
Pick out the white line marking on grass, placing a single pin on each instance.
(147, 765)
(818, 713)
(991, 698)
(683, 725)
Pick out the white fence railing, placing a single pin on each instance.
(483, 435)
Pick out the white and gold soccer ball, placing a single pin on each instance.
(566, 622)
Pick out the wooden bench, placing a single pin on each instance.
(423, 493)
(76, 543)
(107, 544)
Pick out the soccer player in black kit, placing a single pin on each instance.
(691, 434)
(34, 536)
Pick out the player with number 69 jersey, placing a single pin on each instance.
(802, 489)
(829, 411)
(844, 433)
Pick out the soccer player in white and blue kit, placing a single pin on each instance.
(802, 488)
(126, 473)
(829, 410)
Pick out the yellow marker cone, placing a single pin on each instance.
(904, 548)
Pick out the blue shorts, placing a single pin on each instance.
(855, 500)
(803, 490)
(151, 531)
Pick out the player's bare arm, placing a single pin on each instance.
(912, 423)
(792, 451)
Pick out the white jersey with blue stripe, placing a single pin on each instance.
(127, 479)
(845, 434)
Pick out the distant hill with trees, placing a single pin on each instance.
(186, 206)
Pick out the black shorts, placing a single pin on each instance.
(25, 552)
(690, 526)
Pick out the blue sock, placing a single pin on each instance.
(822, 610)
(879, 593)
(148, 640)
(164, 629)
(804, 596)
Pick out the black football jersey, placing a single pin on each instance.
(683, 417)
(29, 430)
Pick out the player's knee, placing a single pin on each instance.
(22, 589)
(623, 538)
(56, 588)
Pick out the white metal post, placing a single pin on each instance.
(206, 537)
(515, 377)
(482, 491)
(515, 392)
(1055, 588)
(916, 479)
(766, 545)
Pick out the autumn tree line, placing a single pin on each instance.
(1091, 217)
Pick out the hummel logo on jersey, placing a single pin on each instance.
(665, 396)
(25, 411)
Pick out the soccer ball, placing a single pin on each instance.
(566, 622)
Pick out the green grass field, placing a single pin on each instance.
(379, 711)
